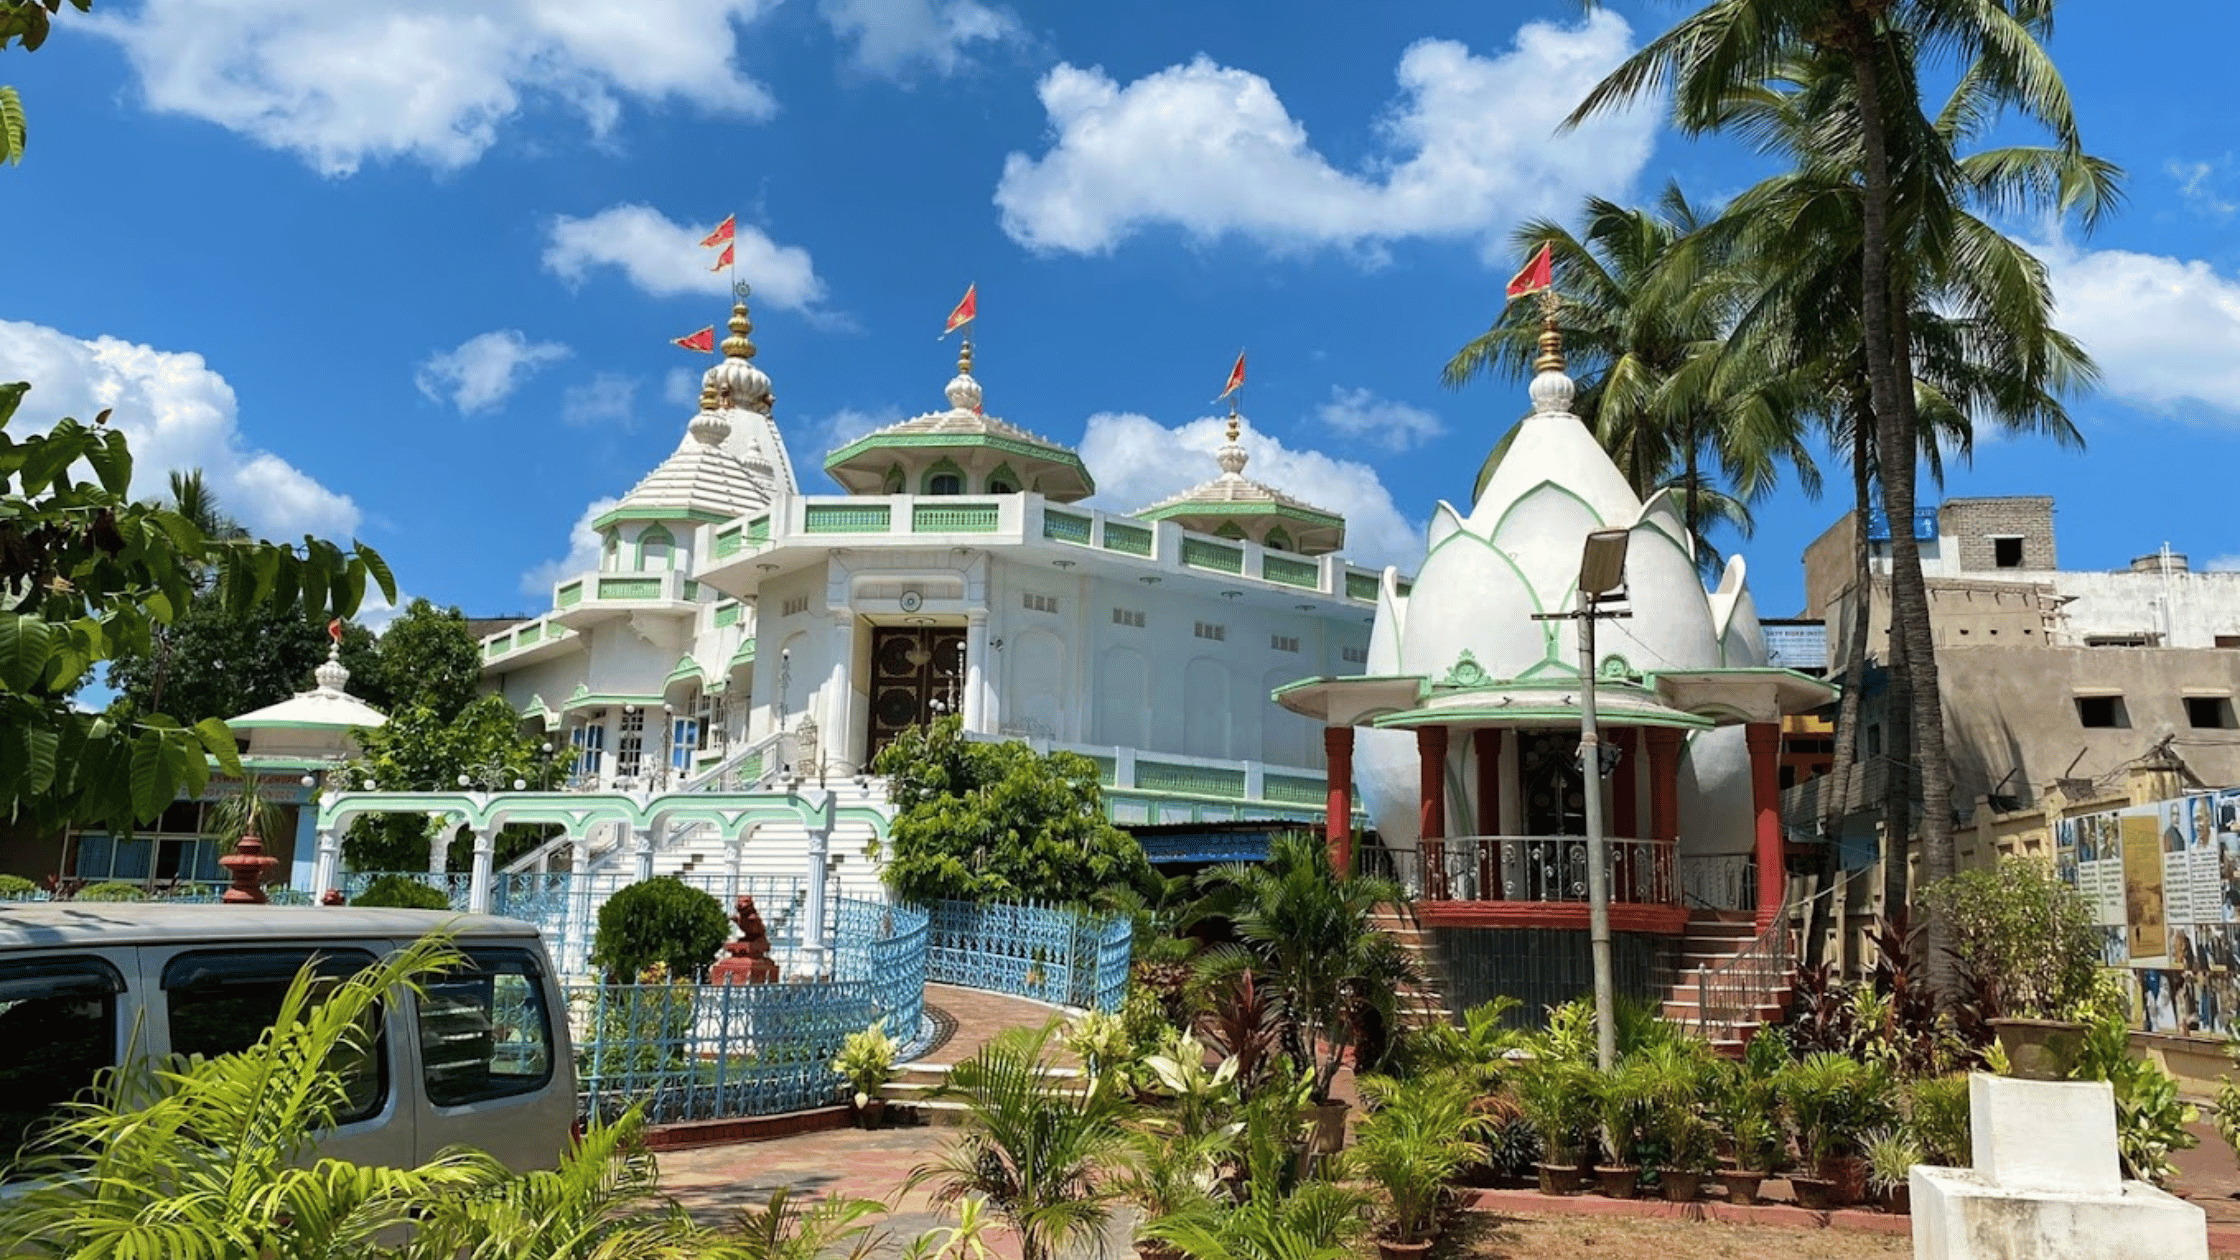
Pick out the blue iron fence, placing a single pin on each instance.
(704, 1052)
(1048, 953)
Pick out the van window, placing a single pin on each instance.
(484, 1029)
(58, 1031)
(222, 1001)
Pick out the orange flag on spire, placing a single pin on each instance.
(704, 341)
(1537, 275)
(723, 233)
(966, 310)
(1236, 378)
(724, 260)
(334, 629)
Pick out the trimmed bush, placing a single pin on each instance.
(663, 921)
(16, 887)
(404, 893)
(112, 890)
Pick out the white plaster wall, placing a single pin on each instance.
(2199, 606)
(1715, 813)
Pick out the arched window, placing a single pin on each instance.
(655, 549)
(611, 557)
(895, 483)
(1277, 540)
(944, 478)
(1003, 480)
(1229, 529)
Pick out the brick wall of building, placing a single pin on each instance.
(1976, 525)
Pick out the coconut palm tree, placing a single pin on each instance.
(1879, 45)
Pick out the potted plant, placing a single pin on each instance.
(866, 1060)
(2029, 941)
(1679, 1077)
(1757, 1143)
(1557, 1099)
(1834, 1100)
(1891, 1154)
(1629, 1099)
(1418, 1137)
(1170, 1174)
(1744, 1105)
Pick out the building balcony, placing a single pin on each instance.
(590, 598)
(1534, 882)
(528, 643)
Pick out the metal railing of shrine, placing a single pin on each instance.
(687, 1052)
(1048, 953)
(1527, 868)
(1737, 993)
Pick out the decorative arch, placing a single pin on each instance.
(1230, 529)
(935, 474)
(1003, 480)
(896, 481)
(1123, 706)
(1277, 540)
(656, 543)
(610, 551)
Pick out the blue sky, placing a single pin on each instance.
(409, 271)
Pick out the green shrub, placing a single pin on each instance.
(112, 890)
(2151, 1120)
(664, 921)
(2027, 937)
(15, 887)
(403, 892)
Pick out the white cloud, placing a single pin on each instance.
(1137, 461)
(2165, 331)
(583, 554)
(485, 369)
(2223, 564)
(427, 80)
(681, 388)
(177, 414)
(664, 259)
(812, 440)
(1396, 426)
(607, 398)
(375, 613)
(891, 36)
(2193, 185)
(1468, 148)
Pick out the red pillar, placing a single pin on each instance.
(1337, 818)
(1485, 742)
(1625, 805)
(1664, 808)
(1431, 751)
(1765, 805)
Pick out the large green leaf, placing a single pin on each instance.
(25, 644)
(217, 737)
(42, 743)
(12, 127)
(151, 781)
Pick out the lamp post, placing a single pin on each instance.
(1602, 569)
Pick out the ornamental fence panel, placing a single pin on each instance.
(1048, 953)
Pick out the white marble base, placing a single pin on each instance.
(1958, 1216)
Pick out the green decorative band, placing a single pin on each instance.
(570, 595)
(656, 514)
(953, 518)
(1107, 770)
(745, 654)
(1295, 791)
(528, 634)
(758, 529)
(1065, 527)
(1200, 554)
(691, 591)
(1362, 586)
(727, 542)
(1290, 572)
(498, 646)
(1132, 539)
(1160, 776)
(727, 614)
(629, 588)
(846, 518)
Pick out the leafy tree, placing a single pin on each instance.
(662, 920)
(420, 750)
(426, 657)
(214, 662)
(983, 821)
(23, 22)
(403, 892)
(87, 576)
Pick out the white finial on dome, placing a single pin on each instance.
(331, 674)
(1552, 388)
(1232, 456)
(964, 392)
(736, 376)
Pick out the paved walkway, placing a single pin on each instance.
(967, 1019)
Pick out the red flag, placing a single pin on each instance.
(334, 629)
(724, 260)
(1236, 378)
(965, 311)
(704, 341)
(723, 233)
(1537, 275)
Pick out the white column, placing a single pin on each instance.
(576, 941)
(813, 926)
(641, 852)
(441, 832)
(835, 744)
(478, 885)
(975, 670)
(326, 869)
(733, 847)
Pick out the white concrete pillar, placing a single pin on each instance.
(575, 944)
(975, 670)
(814, 929)
(734, 846)
(441, 831)
(478, 883)
(641, 853)
(836, 745)
(327, 866)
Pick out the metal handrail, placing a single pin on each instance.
(1531, 869)
(1728, 994)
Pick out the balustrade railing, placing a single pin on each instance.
(1729, 996)
(1528, 868)
(1052, 954)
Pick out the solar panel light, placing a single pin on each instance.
(1602, 565)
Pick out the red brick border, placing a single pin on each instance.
(679, 1137)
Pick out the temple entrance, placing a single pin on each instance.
(917, 675)
(1555, 794)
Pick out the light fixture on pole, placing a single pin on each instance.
(1602, 570)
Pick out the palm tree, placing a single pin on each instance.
(1648, 306)
(1734, 45)
(1037, 1147)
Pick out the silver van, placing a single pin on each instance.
(481, 1059)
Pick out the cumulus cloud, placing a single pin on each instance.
(2223, 564)
(890, 37)
(1467, 148)
(2165, 331)
(485, 369)
(663, 258)
(583, 554)
(607, 398)
(431, 81)
(1360, 414)
(681, 388)
(812, 440)
(177, 414)
(1137, 461)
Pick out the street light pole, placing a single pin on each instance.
(1601, 571)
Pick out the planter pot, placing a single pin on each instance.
(1898, 1200)
(1389, 1250)
(871, 1114)
(1622, 1181)
(1742, 1187)
(2040, 1049)
(1847, 1178)
(1562, 1178)
(1813, 1193)
(1679, 1187)
(1153, 1249)
(1327, 1135)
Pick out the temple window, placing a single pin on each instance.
(654, 548)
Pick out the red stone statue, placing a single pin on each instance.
(746, 960)
(247, 865)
